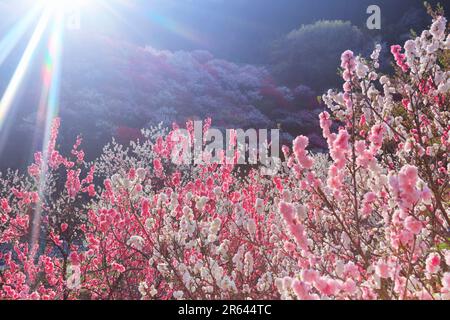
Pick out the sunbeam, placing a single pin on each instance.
(53, 15)
(49, 103)
(12, 38)
(20, 72)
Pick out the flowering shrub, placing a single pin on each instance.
(368, 221)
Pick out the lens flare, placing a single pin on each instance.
(49, 104)
(19, 74)
(49, 27)
(12, 38)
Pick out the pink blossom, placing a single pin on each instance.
(5, 206)
(399, 57)
(340, 148)
(349, 286)
(406, 186)
(413, 225)
(310, 276)
(327, 287)
(376, 135)
(446, 282)
(433, 263)
(325, 124)
(64, 227)
(347, 60)
(118, 267)
(382, 269)
(157, 165)
(297, 230)
(299, 146)
(301, 289)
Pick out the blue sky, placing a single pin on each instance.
(240, 28)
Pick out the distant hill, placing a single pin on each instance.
(111, 88)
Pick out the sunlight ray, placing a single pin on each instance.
(20, 72)
(49, 103)
(9, 42)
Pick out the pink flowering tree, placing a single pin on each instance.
(184, 233)
(42, 222)
(377, 227)
(160, 233)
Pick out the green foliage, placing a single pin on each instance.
(444, 245)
